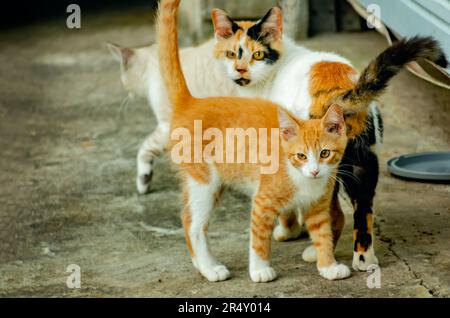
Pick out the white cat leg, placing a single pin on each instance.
(201, 199)
(152, 147)
(260, 270)
(289, 227)
(335, 271)
(310, 254)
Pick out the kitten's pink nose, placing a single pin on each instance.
(315, 173)
(242, 71)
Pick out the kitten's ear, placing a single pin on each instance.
(288, 126)
(224, 26)
(333, 121)
(121, 54)
(272, 25)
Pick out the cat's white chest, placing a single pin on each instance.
(309, 190)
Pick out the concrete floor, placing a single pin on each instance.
(67, 192)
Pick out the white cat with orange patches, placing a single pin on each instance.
(309, 153)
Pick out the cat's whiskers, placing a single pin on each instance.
(349, 174)
(125, 103)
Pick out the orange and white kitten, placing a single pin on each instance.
(309, 153)
(141, 77)
(306, 82)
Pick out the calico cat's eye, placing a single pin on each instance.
(325, 153)
(301, 156)
(231, 54)
(260, 55)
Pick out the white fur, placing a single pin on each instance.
(335, 271)
(310, 254)
(378, 134)
(309, 190)
(289, 80)
(201, 203)
(369, 259)
(260, 270)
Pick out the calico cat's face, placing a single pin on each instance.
(315, 147)
(248, 51)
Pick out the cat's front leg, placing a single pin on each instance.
(319, 224)
(338, 220)
(262, 224)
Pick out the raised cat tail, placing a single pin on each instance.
(168, 52)
(375, 78)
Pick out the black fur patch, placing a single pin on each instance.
(375, 78)
(242, 81)
(235, 27)
(240, 52)
(380, 125)
(272, 56)
(359, 172)
(442, 61)
(255, 33)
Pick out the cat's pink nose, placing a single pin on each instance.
(315, 173)
(242, 71)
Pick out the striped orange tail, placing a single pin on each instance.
(168, 52)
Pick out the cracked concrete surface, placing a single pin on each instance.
(67, 192)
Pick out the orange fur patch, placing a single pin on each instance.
(369, 219)
(328, 80)
(186, 218)
(288, 220)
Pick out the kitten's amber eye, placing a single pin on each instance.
(301, 156)
(325, 154)
(231, 54)
(260, 55)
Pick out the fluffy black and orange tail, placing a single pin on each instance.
(168, 52)
(375, 78)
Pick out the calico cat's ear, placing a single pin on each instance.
(333, 121)
(121, 54)
(269, 28)
(288, 126)
(224, 26)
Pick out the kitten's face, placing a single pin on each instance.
(315, 147)
(248, 51)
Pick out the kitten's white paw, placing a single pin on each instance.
(281, 234)
(362, 261)
(310, 254)
(263, 275)
(143, 182)
(217, 273)
(335, 271)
